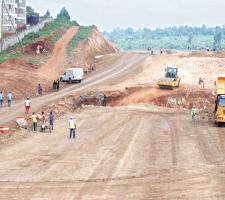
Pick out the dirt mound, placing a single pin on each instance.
(179, 98)
(44, 44)
(94, 45)
(220, 54)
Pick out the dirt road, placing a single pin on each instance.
(58, 59)
(131, 153)
(134, 152)
(118, 67)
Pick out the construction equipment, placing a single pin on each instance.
(171, 79)
(220, 101)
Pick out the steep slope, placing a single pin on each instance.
(22, 78)
(87, 50)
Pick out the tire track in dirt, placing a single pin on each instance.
(207, 145)
(91, 175)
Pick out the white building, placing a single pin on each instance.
(14, 17)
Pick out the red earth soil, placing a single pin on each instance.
(44, 42)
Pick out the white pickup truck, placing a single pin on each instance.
(73, 75)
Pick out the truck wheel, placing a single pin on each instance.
(61, 79)
(79, 81)
(70, 81)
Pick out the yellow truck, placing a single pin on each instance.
(171, 79)
(220, 101)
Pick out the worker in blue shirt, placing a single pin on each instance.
(1, 99)
(10, 99)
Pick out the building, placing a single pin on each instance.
(14, 15)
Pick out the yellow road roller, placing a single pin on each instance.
(171, 79)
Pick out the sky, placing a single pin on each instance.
(109, 14)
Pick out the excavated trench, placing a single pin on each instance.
(178, 98)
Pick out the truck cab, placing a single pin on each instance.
(220, 102)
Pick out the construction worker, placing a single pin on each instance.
(40, 90)
(54, 86)
(104, 100)
(193, 113)
(72, 126)
(34, 118)
(51, 120)
(27, 105)
(43, 122)
(57, 85)
(201, 83)
(1, 99)
(10, 99)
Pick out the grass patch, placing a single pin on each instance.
(83, 33)
(2, 60)
(48, 30)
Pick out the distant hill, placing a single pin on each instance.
(183, 37)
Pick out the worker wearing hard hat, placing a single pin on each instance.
(72, 126)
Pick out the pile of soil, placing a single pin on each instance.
(94, 45)
(45, 45)
(177, 98)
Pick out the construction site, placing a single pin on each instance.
(141, 143)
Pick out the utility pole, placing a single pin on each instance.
(2, 21)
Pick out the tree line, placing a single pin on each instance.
(183, 37)
(62, 14)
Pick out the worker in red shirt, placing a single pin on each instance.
(27, 105)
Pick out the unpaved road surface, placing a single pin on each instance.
(121, 66)
(129, 153)
(139, 152)
(58, 58)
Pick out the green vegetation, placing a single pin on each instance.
(30, 11)
(181, 38)
(46, 32)
(83, 33)
(64, 14)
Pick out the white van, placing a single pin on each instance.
(73, 75)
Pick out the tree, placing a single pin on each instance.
(190, 38)
(47, 14)
(64, 14)
(217, 38)
(30, 11)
